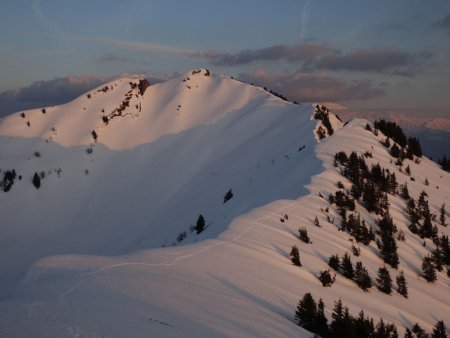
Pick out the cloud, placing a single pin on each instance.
(147, 47)
(312, 87)
(321, 56)
(365, 60)
(113, 58)
(45, 93)
(444, 23)
(291, 54)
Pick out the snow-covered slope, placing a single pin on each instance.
(102, 217)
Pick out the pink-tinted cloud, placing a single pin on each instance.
(315, 56)
(312, 87)
(293, 54)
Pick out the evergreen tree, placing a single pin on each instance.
(438, 258)
(439, 330)
(414, 147)
(321, 320)
(389, 249)
(408, 170)
(200, 225)
(36, 181)
(337, 326)
(408, 334)
(303, 235)
(364, 326)
(94, 135)
(404, 192)
(362, 277)
(295, 256)
(228, 196)
(383, 330)
(347, 266)
(444, 162)
(402, 287)
(445, 249)
(389, 245)
(306, 312)
(426, 230)
(395, 151)
(384, 280)
(348, 325)
(442, 214)
(316, 222)
(419, 332)
(333, 262)
(326, 279)
(428, 269)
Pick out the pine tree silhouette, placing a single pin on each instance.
(306, 312)
(402, 287)
(200, 225)
(428, 269)
(295, 256)
(347, 266)
(439, 330)
(384, 280)
(362, 277)
(36, 181)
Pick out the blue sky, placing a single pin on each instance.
(368, 55)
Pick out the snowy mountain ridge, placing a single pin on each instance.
(106, 247)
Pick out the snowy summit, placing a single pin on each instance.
(208, 207)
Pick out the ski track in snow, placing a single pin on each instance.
(218, 242)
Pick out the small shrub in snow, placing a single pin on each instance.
(295, 256)
(356, 251)
(37, 154)
(200, 225)
(8, 180)
(181, 236)
(36, 180)
(43, 111)
(401, 236)
(326, 279)
(442, 214)
(94, 135)
(229, 195)
(316, 222)
(22, 115)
